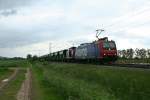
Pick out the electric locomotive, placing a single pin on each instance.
(101, 51)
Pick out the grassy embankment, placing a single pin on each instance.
(57, 81)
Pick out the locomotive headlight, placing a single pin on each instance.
(104, 54)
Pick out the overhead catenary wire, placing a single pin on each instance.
(125, 17)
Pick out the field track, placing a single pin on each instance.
(25, 91)
(5, 83)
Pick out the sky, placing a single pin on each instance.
(39, 26)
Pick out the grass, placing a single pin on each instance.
(91, 82)
(41, 89)
(62, 81)
(11, 90)
(4, 73)
(145, 60)
(13, 63)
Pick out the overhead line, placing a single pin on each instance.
(131, 15)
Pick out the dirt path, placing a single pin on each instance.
(5, 82)
(25, 91)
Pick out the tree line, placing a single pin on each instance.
(134, 53)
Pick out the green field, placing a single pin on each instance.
(13, 63)
(66, 81)
(7, 68)
(61, 81)
(10, 91)
(4, 73)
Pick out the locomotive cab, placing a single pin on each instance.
(108, 50)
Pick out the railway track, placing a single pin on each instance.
(144, 66)
(130, 65)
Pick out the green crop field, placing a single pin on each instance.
(62, 81)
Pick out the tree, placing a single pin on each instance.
(129, 53)
(29, 57)
(124, 54)
(148, 53)
(140, 53)
(137, 53)
(143, 53)
(120, 53)
(35, 58)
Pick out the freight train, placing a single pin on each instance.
(101, 51)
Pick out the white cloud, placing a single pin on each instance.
(36, 23)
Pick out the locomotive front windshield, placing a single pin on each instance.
(109, 45)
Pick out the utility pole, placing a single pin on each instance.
(39, 51)
(98, 32)
(50, 47)
(73, 44)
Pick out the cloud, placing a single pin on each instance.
(8, 12)
(26, 23)
(11, 4)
